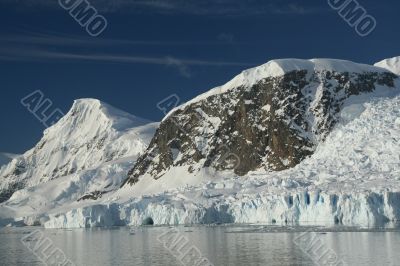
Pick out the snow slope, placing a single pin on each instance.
(90, 134)
(391, 64)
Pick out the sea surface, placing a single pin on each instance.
(201, 245)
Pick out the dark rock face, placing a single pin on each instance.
(7, 193)
(274, 124)
(91, 196)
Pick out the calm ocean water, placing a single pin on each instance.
(219, 245)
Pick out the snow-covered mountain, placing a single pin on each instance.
(270, 117)
(90, 134)
(5, 158)
(289, 142)
(392, 64)
(352, 178)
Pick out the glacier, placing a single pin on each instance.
(307, 208)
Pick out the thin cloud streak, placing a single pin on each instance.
(47, 46)
(182, 65)
(167, 60)
(79, 41)
(193, 7)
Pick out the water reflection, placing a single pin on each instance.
(222, 245)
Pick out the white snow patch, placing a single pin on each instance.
(266, 108)
(391, 64)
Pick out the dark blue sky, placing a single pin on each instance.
(155, 48)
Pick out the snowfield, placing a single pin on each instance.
(353, 178)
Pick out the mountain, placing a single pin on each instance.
(391, 64)
(5, 158)
(314, 142)
(92, 133)
(271, 117)
(351, 178)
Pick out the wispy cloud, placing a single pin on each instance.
(29, 38)
(194, 7)
(180, 65)
(50, 46)
(46, 47)
(37, 55)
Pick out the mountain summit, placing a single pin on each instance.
(91, 133)
(270, 117)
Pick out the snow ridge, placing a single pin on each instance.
(391, 64)
(280, 67)
(87, 112)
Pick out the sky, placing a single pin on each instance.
(155, 48)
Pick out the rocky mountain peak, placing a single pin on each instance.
(270, 117)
